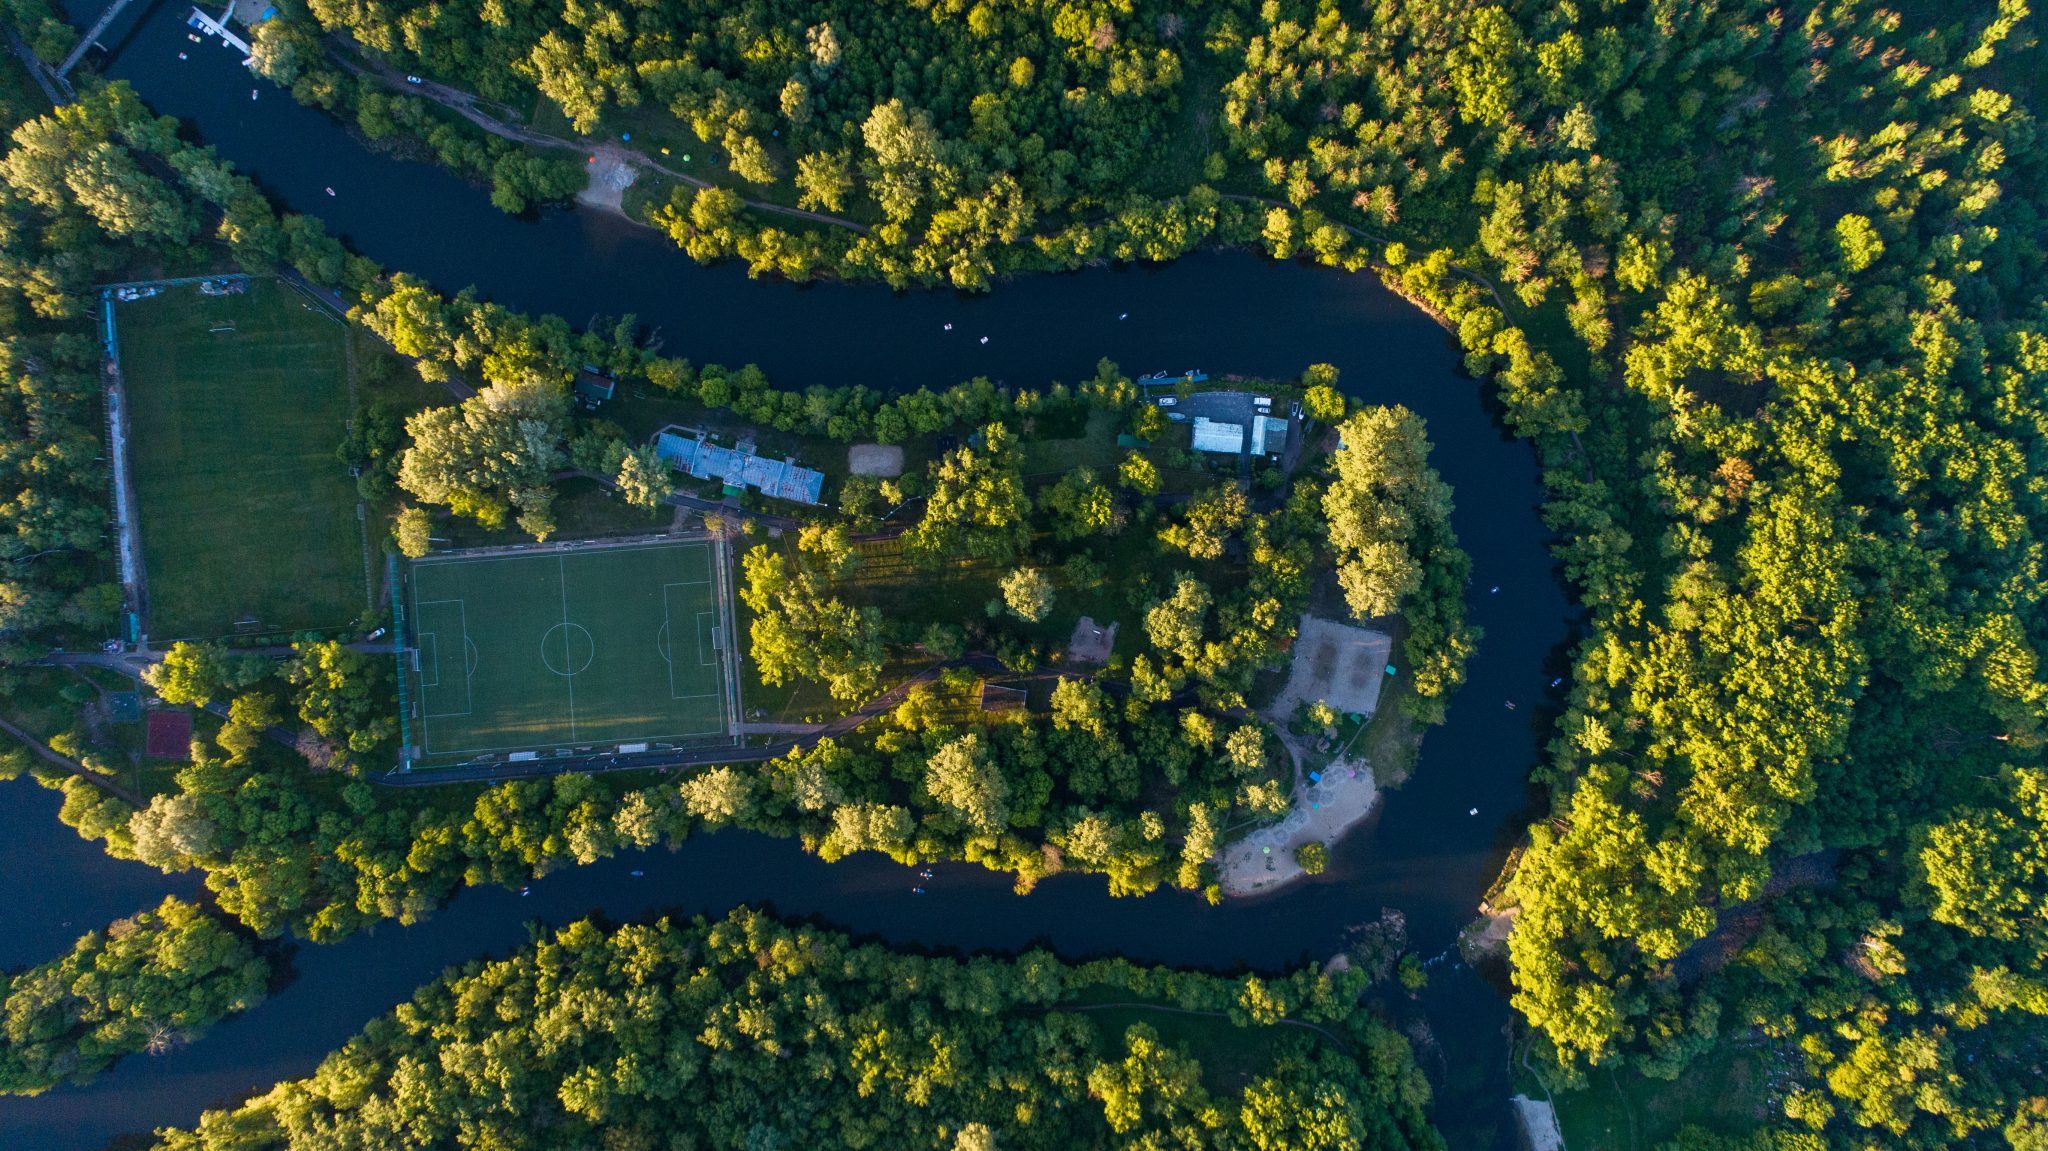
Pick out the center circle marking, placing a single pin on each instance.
(567, 649)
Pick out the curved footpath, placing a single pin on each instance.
(1425, 854)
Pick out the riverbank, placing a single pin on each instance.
(1324, 812)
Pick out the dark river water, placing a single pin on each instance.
(1222, 312)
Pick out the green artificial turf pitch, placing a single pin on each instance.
(245, 512)
(567, 648)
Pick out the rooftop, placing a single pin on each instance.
(692, 451)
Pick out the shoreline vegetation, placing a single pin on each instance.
(1269, 859)
(148, 983)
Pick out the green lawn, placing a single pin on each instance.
(567, 647)
(244, 510)
(1626, 1111)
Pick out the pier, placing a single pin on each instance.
(91, 37)
(212, 27)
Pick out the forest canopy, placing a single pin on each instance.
(746, 1032)
(1764, 287)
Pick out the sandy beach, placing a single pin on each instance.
(1323, 812)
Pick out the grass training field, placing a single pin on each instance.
(244, 511)
(559, 648)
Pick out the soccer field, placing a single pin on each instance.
(236, 405)
(558, 648)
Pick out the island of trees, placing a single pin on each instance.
(147, 983)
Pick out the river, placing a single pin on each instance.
(1218, 311)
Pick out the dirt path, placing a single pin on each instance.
(464, 104)
(46, 753)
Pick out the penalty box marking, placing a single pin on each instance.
(433, 638)
(670, 611)
(664, 641)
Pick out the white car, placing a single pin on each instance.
(412, 79)
(1166, 401)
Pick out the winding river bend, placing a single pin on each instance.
(1224, 312)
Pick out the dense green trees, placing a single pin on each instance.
(958, 133)
(748, 1033)
(200, 673)
(345, 697)
(1788, 485)
(1389, 517)
(52, 487)
(800, 629)
(977, 508)
(147, 983)
(495, 452)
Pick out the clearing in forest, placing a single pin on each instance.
(236, 404)
(527, 652)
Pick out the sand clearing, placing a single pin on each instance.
(1091, 642)
(884, 460)
(1538, 1120)
(610, 175)
(1334, 662)
(1264, 860)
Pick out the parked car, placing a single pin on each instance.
(1166, 401)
